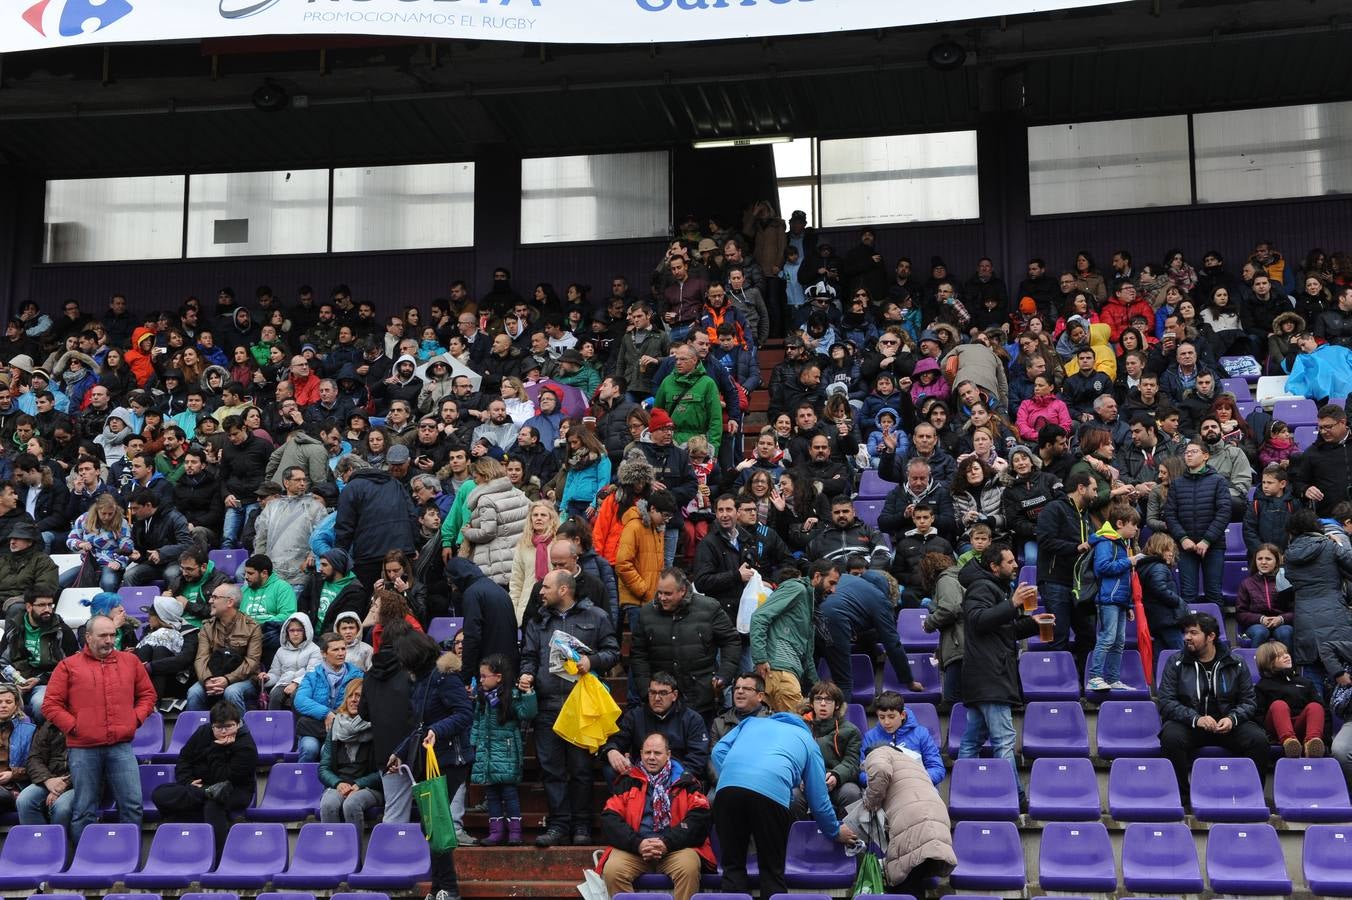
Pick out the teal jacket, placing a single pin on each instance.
(781, 629)
(498, 750)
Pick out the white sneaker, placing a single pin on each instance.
(1120, 686)
(1097, 684)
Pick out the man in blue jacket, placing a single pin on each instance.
(320, 693)
(758, 764)
(860, 604)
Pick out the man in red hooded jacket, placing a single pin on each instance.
(97, 699)
(1119, 309)
(140, 357)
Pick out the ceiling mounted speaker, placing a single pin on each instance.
(270, 97)
(947, 55)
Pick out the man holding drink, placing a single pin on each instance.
(995, 617)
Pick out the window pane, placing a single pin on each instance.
(1108, 165)
(794, 159)
(403, 207)
(94, 219)
(591, 198)
(902, 178)
(1291, 151)
(258, 213)
(796, 197)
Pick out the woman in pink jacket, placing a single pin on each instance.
(1043, 408)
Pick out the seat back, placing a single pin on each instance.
(33, 848)
(108, 850)
(70, 608)
(868, 511)
(293, 784)
(188, 722)
(274, 731)
(1049, 675)
(285, 895)
(924, 669)
(1222, 784)
(1050, 725)
(149, 738)
(255, 848)
(1143, 789)
(1063, 788)
(152, 776)
(443, 628)
(186, 847)
(855, 715)
(1310, 790)
(911, 630)
(983, 789)
(326, 847)
(1324, 858)
(1246, 859)
(813, 851)
(228, 561)
(1076, 856)
(928, 715)
(1128, 727)
(1155, 849)
(872, 487)
(987, 850)
(133, 598)
(396, 848)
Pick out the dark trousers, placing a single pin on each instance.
(444, 877)
(1180, 743)
(741, 816)
(369, 571)
(189, 803)
(567, 776)
(1057, 599)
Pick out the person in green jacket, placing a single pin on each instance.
(691, 397)
(574, 372)
(782, 634)
(500, 709)
(198, 577)
(268, 600)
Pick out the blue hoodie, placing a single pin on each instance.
(912, 736)
(770, 756)
(1112, 566)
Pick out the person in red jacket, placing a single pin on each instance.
(304, 383)
(140, 357)
(97, 699)
(1119, 309)
(658, 821)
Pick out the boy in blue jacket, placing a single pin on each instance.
(899, 728)
(1113, 564)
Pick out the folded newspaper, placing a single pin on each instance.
(564, 653)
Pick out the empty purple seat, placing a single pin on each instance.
(1324, 859)
(1132, 675)
(1076, 856)
(45, 896)
(228, 561)
(644, 896)
(928, 715)
(1227, 789)
(1310, 790)
(149, 738)
(136, 896)
(1063, 789)
(180, 853)
(872, 487)
(1234, 546)
(285, 895)
(213, 895)
(1305, 436)
(1128, 728)
(274, 732)
(957, 723)
(359, 895)
(1163, 660)
(30, 855)
(105, 855)
(1049, 675)
(1143, 790)
(816, 861)
(152, 776)
(396, 857)
(292, 792)
(712, 895)
(1250, 657)
(861, 673)
(443, 628)
(911, 630)
(1246, 859)
(254, 852)
(868, 511)
(325, 854)
(188, 722)
(876, 897)
(924, 669)
(1160, 856)
(1239, 387)
(1296, 412)
(855, 715)
(983, 789)
(990, 856)
(1054, 729)
(787, 896)
(1234, 573)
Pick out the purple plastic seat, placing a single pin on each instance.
(1076, 856)
(213, 895)
(880, 897)
(1237, 386)
(1310, 790)
(180, 853)
(396, 857)
(443, 628)
(871, 487)
(1143, 790)
(105, 855)
(149, 738)
(928, 715)
(1063, 789)
(285, 895)
(228, 561)
(924, 669)
(1227, 789)
(56, 896)
(30, 855)
(1163, 660)
(136, 896)
(1305, 436)
(274, 732)
(325, 854)
(912, 633)
(983, 789)
(1250, 657)
(152, 776)
(855, 715)
(1054, 729)
(1324, 859)
(712, 895)
(254, 852)
(957, 723)
(359, 895)
(1132, 674)
(1246, 859)
(133, 598)
(815, 861)
(1128, 728)
(1049, 675)
(1296, 412)
(1234, 573)
(188, 722)
(788, 896)
(990, 856)
(1160, 856)
(292, 792)
(868, 511)
(1211, 609)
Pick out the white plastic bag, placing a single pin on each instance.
(753, 595)
(593, 886)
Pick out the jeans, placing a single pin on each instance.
(669, 539)
(994, 721)
(234, 524)
(1207, 569)
(90, 769)
(241, 694)
(952, 682)
(109, 579)
(1106, 660)
(308, 750)
(144, 574)
(35, 703)
(503, 800)
(333, 807)
(1260, 635)
(52, 541)
(33, 809)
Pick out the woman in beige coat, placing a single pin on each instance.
(495, 517)
(530, 563)
(920, 840)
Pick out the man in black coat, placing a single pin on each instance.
(662, 712)
(490, 619)
(159, 536)
(244, 462)
(198, 496)
(1322, 474)
(729, 555)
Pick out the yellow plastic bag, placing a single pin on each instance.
(589, 716)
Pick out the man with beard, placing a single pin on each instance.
(782, 634)
(500, 297)
(430, 448)
(1230, 463)
(197, 495)
(830, 477)
(898, 513)
(402, 384)
(845, 536)
(611, 409)
(498, 428)
(1053, 450)
(535, 457)
(924, 446)
(38, 640)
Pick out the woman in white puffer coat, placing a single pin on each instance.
(496, 515)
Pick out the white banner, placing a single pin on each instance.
(29, 25)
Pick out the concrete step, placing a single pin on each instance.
(516, 864)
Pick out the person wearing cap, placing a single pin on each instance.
(671, 471)
(574, 372)
(167, 650)
(26, 566)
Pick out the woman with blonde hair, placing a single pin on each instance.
(1159, 592)
(102, 537)
(530, 563)
(519, 405)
